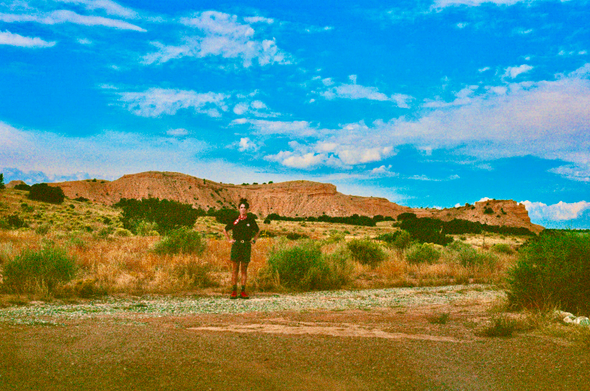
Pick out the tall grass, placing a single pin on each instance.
(34, 271)
(181, 241)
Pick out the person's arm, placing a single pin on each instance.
(255, 238)
(226, 233)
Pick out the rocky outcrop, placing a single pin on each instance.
(13, 184)
(294, 198)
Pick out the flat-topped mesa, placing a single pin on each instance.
(292, 199)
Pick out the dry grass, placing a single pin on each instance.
(126, 265)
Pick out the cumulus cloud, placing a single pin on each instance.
(557, 212)
(8, 38)
(66, 16)
(224, 35)
(547, 119)
(157, 101)
(246, 144)
(513, 72)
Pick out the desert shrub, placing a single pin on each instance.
(167, 214)
(399, 239)
(181, 241)
(552, 271)
(44, 192)
(422, 253)
(304, 267)
(426, 230)
(146, 228)
(467, 256)
(15, 221)
(502, 248)
(366, 252)
(335, 237)
(38, 270)
(296, 236)
(501, 326)
(122, 232)
(22, 186)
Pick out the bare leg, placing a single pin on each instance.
(244, 273)
(234, 275)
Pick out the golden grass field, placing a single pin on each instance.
(113, 261)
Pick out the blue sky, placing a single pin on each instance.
(427, 103)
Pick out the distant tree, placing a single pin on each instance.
(44, 192)
(2, 181)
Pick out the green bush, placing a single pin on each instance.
(366, 252)
(44, 192)
(552, 271)
(304, 267)
(167, 214)
(181, 241)
(422, 253)
(15, 221)
(145, 228)
(467, 256)
(502, 248)
(122, 232)
(38, 270)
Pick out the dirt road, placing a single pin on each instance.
(367, 347)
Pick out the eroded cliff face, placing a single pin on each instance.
(295, 198)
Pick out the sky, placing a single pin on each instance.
(428, 103)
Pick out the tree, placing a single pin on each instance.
(44, 192)
(2, 181)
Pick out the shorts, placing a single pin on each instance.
(240, 251)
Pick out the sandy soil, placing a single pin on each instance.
(394, 348)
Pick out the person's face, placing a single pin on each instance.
(243, 210)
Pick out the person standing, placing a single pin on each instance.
(245, 232)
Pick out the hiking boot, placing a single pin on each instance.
(244, 295)
(234, 295)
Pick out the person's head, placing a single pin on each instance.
(243, 206)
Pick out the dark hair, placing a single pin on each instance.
(245, 202)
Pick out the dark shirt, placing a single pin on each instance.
(244, 230)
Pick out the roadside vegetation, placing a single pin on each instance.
(77, 249)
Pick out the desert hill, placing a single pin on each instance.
(294, 198)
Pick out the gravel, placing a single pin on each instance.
(40, 313)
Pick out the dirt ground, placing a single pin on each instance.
(377, 349)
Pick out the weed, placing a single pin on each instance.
(366, 252)
(37, 271)
(181, 241)
(422, 253)
(501, 326)
(442, 318)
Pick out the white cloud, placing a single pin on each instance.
(177, 132)
(480, 70)
(438, 4)
(294, 129)
(384, 171)
(65, 16)
(157, 101)
(357, 91)
(259, 19)
(547, 119)
(110, 7)
(246, 144)
(220, 35)
(513, 72)
(290, 159)
(8, 38)
(556, 212)
(84, 41)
